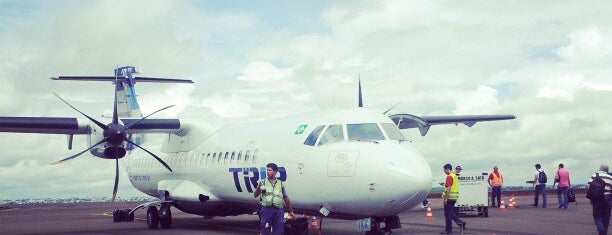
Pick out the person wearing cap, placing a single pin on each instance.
(496, 181)
(458, 170)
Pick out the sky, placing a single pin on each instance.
(548, 63)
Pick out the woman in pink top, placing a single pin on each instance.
(562, 176)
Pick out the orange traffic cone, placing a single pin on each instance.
(313, 223)
(511, 204)
(502, 207)
(429, 215)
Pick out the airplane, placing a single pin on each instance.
(349, 163)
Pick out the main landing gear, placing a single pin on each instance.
(391, 222)
(155, 218)
(161, 218)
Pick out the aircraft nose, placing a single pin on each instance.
(409, 179)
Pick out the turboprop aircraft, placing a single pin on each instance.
(368, 168)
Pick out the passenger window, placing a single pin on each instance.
(246, 157)
(226, 157)
(233, 157)
(207, 158)
(314, 135)
(364, 131)
(220, 157)
(255, 155)
(332, 134)
(213, 158)
(392, 131)
(239, 157)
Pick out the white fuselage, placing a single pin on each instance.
(352, 179)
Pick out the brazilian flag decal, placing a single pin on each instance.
(300, 129)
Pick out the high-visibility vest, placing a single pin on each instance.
(273, 195)
(497, 181)
(454, 190)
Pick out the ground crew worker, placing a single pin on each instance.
(496, 180)
(449, 197)
(458, 170)
(272, 192)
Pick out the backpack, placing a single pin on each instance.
(542, 177)
(596, 189)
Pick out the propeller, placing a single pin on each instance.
(115, 134)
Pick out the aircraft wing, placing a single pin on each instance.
(405, 121)
(44, 125)
(74, 126)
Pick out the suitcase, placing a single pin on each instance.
(297, 226)
(571, 196)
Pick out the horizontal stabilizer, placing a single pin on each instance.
(112, 79)
(43, 125)
(405, 121)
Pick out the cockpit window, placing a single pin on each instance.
(312, 138)
(332, 134)
(392, 131)
(364, 131)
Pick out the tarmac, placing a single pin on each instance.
(96, 218)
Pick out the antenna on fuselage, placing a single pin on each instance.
(360, 96)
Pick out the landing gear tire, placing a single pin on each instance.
(123, 216)
(165, 218)
(152, 217)
(384, 231)
(391, 222)
(118, 216)
(485, 211)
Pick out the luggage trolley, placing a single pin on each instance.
(473, 194)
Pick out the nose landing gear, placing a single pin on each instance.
(391, 222)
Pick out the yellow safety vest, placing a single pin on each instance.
(454, 191)
(273, 195)
(496, 181)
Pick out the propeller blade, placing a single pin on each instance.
(88, 117)
(162, 109)
(78, 154)
(115, 116)
(156, 157)
(393, 107)
(116, 175)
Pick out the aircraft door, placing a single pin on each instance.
(342, 163)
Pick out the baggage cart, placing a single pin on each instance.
(473, 194)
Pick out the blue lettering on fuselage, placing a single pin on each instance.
(251, 175)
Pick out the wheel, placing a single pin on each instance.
(152, 217)
(485, 211)
(165, 219)
(384, 231)
(117, 216)
(129, 217)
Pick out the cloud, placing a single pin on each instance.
(261, 71)
(546, 63)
